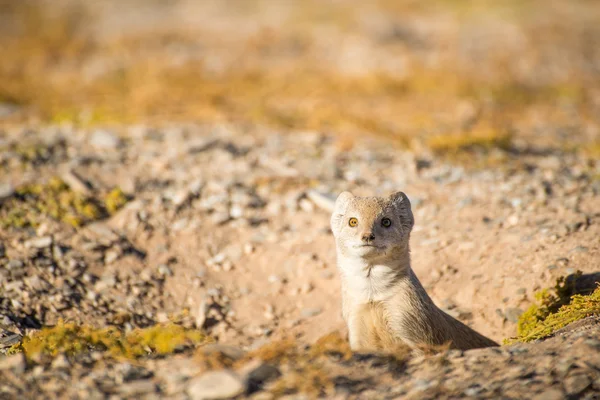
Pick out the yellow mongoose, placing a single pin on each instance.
(383, 302)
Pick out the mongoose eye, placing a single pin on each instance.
(386, 222)
(353, 222)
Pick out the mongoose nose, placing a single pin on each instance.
(367, 237)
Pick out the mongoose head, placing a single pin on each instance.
(372, 228)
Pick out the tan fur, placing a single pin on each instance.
(383, 303)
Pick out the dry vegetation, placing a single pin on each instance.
(413, 74)
(71, 339)
(57, 200)
(556, 308)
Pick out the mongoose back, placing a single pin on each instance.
(383, 303)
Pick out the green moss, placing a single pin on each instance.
(164, 339)
(71, 339)
(554, 309)
(592, 150)
(56, 200)
(34, 152)
(115, 200)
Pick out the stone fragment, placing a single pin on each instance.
(231, 352)
(576, 384)
(104, 139)
(15, 363)
(39, 243)
(512, 314)
(550, 394)
(256, 374)
(310, 312)
(6, 191)
(323, 201)
(222, 384)
(60, 362)
(137, 388)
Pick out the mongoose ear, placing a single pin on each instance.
(401, 204)
(341, 204)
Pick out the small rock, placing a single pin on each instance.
(236, 212)
(306, 205)
(420, 385)
(10, 340)
(60, 362)
(324, 201)
(91, 295)
(164, 270)
(104, 139)
(269, 312)
(513, 220)
(111, 256)
(76, 181)
(39, 243)
(216, 385)
(307, 287)
(14, 264)
(311, 312)
(231, 352)
(180, 224)
(257, 374)
(248, 248)
(200, 316)
(579, 249)
(36, 283)
(137, 388)
(15, 363)
(550, 394)
(233, 253)
(6, 191)
(576, 384)
(512, 314)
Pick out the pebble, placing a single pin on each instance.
(60, 362)
(550, 394)
(232, 352)
(579, 249)
(137, 388)
(15, 363)
(10, 340)
(306, 288)
(6, 191)
(111, 256)
(576, 384)
(311, 312)
(164, 270)
(257, 373)
(222, 384)
(104, 139)
(512, 314)
(76, 182)
(248, 248)
(39, 243)
(14, 264)
(324, 201)
(236, 212)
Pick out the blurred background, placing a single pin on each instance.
(444, 75)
